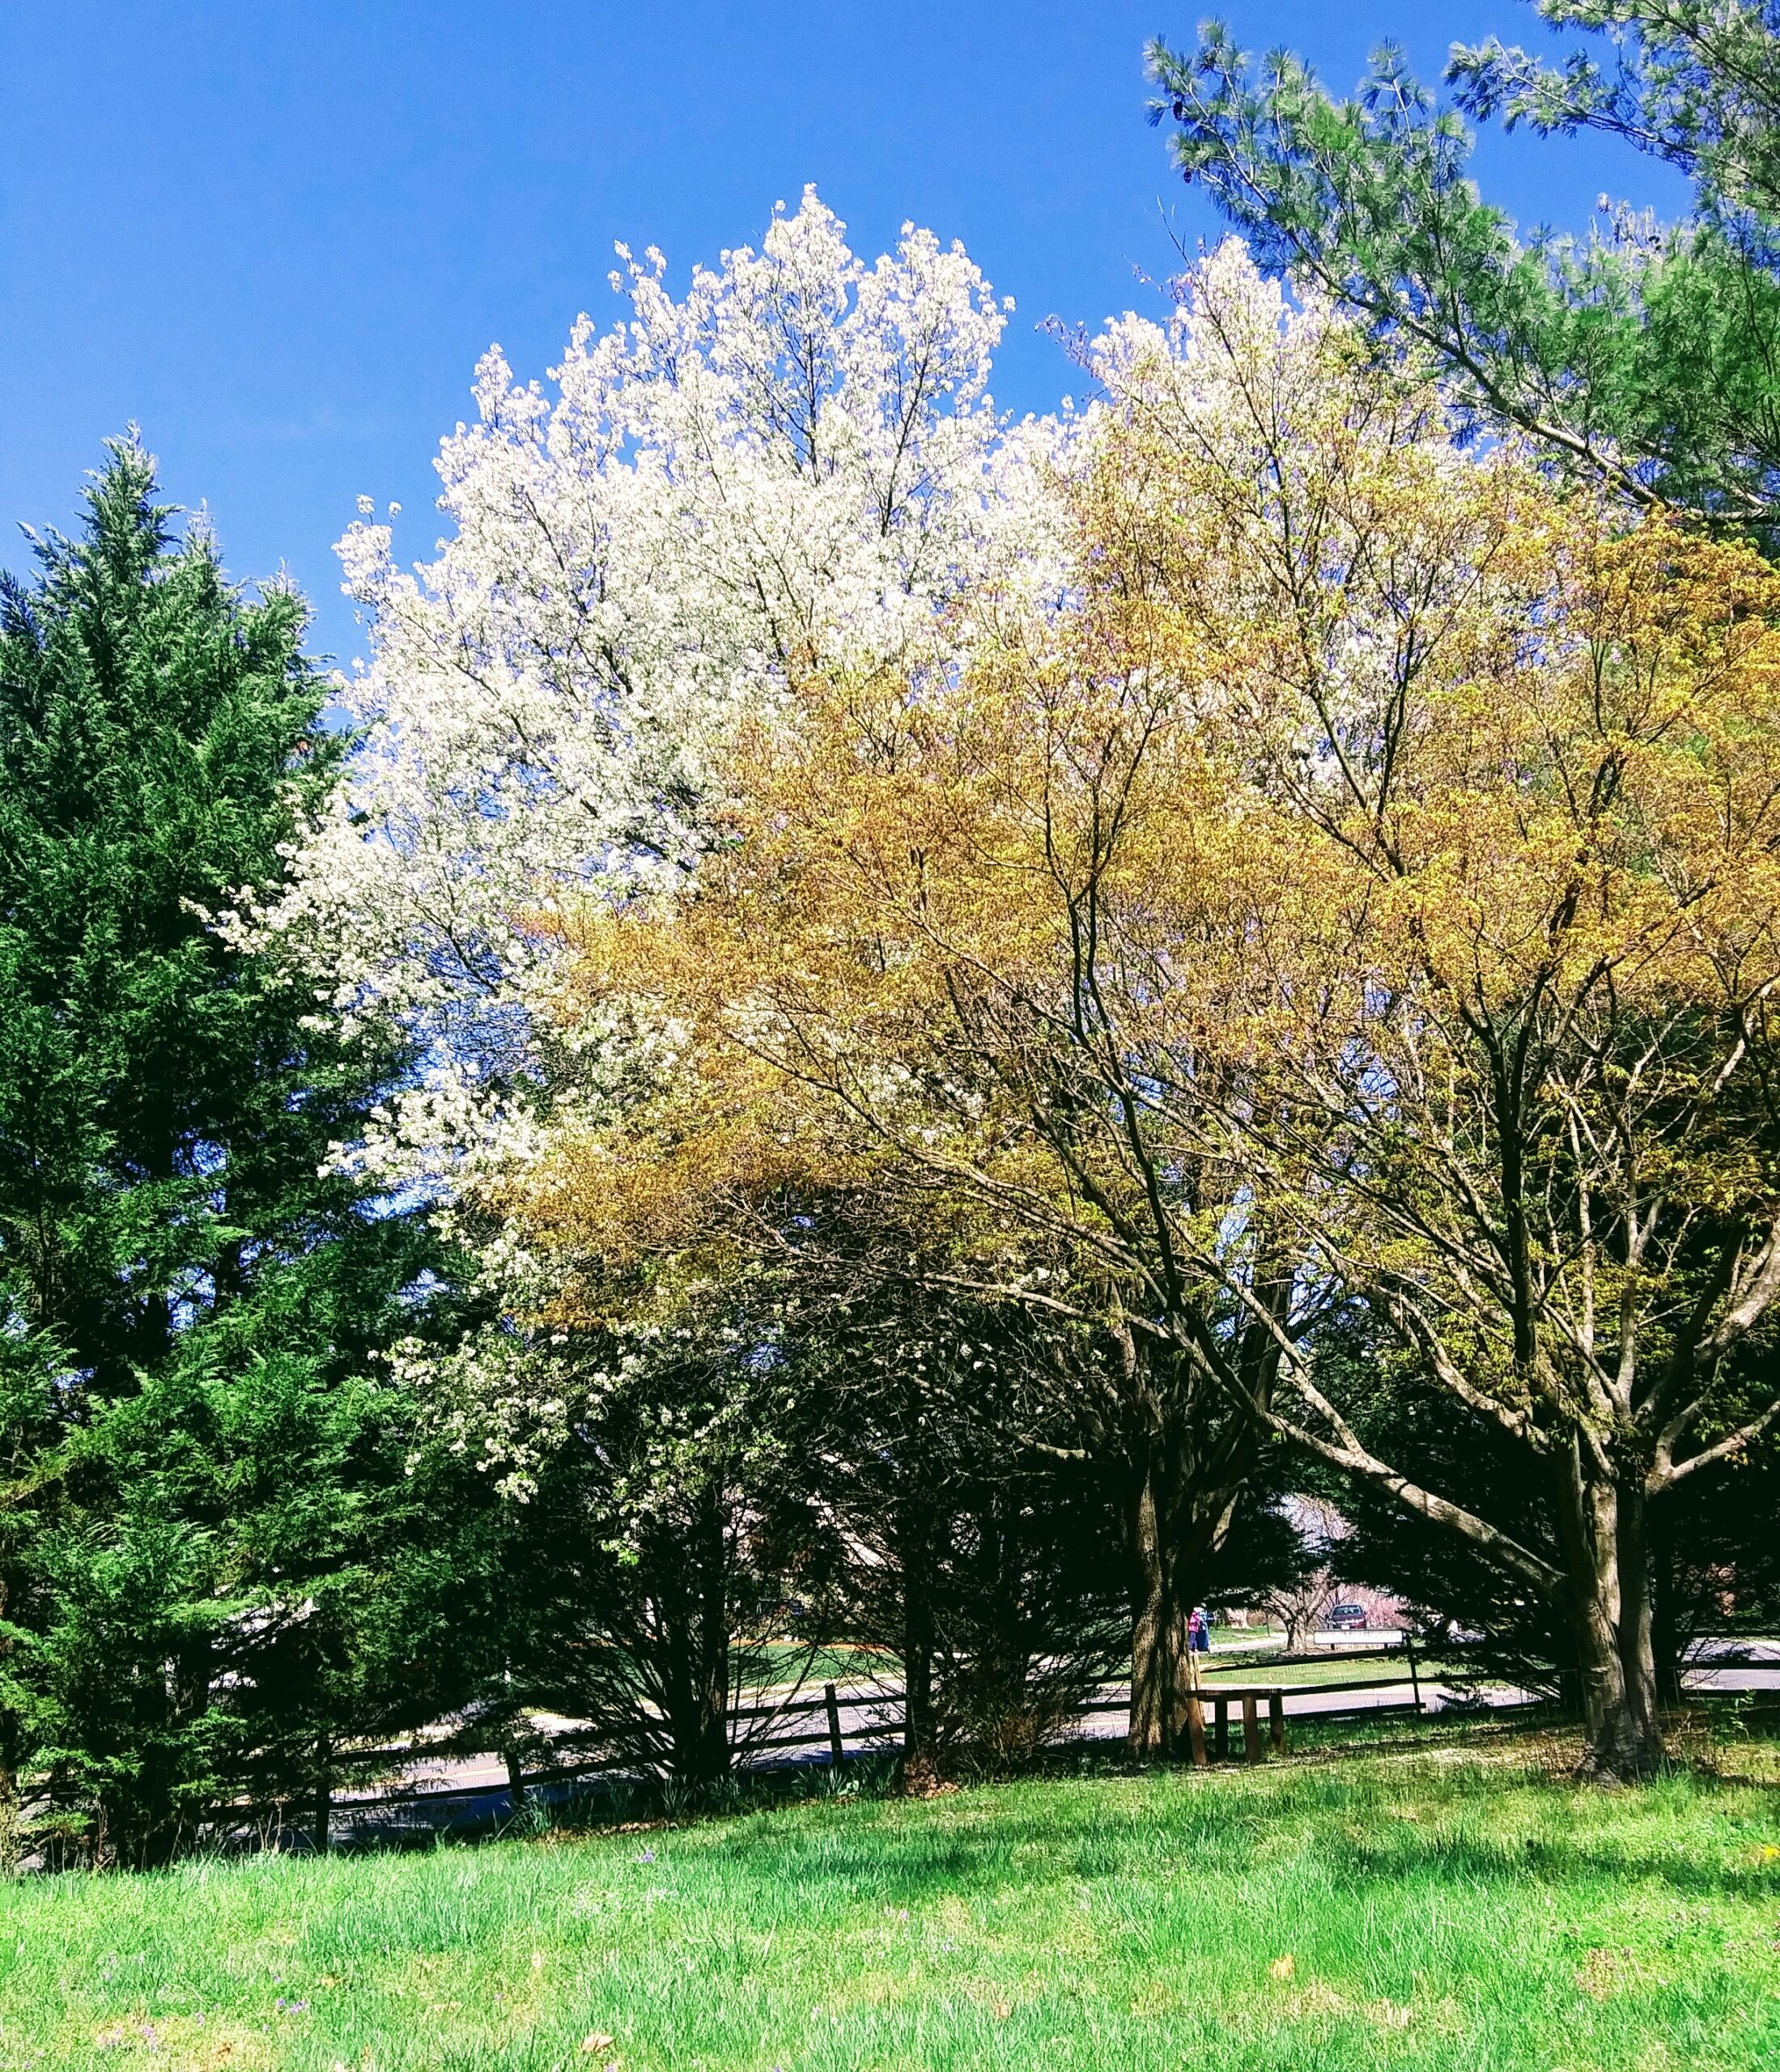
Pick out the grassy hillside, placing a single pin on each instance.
(1441, 1910)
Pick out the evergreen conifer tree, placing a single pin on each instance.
(205, 1514)
(1641, 356)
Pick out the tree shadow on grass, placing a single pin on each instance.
(980, 1850)
(1536, 1860)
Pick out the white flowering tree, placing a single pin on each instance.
(797, 465)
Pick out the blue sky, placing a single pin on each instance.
(278, 237)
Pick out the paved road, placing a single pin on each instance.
(1757, 1668)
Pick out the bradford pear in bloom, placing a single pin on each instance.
(796, 465)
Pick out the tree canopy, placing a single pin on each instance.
(894, 1027)
(206, 1509)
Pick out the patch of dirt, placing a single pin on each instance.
(184, 2042)
(1605, 1972)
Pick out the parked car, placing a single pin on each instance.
(1346, 1618)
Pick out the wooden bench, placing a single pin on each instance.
(1220, 1694)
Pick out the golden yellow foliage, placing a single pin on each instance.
(1360, 885)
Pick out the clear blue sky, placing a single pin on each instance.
(278, 235)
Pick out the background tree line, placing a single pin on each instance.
(768, 1086)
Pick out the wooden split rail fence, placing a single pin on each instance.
(879, 1725)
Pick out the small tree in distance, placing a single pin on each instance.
(1299, 1601)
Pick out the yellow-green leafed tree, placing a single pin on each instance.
(1352, 884)
(1509, 1035)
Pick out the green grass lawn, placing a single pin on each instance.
(782, 1661)
(1442, 1908)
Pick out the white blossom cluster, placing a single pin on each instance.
(1275, 404)
(799, 464)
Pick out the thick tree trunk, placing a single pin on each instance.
(690, 1618)
(713, 1647)
(1637, 1620)
(698, 1720)
(1601, 1528)
(1621, 1741)
(1147, 1733)
(1162, 1607)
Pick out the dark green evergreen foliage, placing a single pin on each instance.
(979, 1541)
(643, 1584)
(996, 1573)
(155, 1101)
(1031, 1608)
(242, 1576)
(1714, 1569)
(1265, 1557)
(208, 1530)
(1648, 359)
(791, 1468)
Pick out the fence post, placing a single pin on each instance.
(836, 1754)
(1251, 1729)
(1195, 1729)
(1415, 1681)
(1221, 1739)
(1276, 1721)
(324, 1792)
